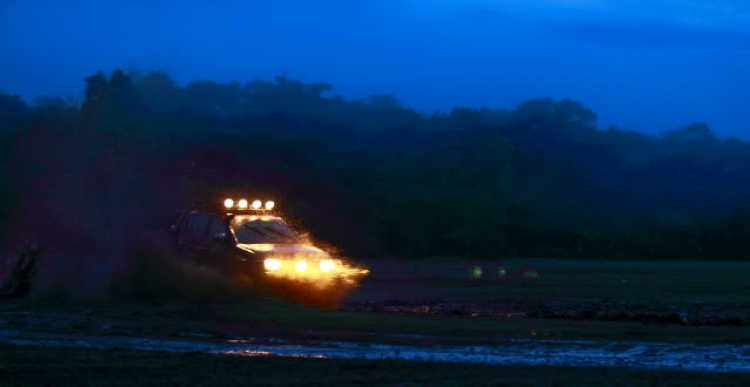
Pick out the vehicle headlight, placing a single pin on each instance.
(301, 266)
(326, 265)
(272, 264)
(242, 204)
(257, 204)
(269, 205)
(229, 203)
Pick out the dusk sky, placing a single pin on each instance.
(648, 65)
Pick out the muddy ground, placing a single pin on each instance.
(24, 366)
(417, 304)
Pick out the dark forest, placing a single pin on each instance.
(369, 176)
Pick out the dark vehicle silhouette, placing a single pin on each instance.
(252, 243)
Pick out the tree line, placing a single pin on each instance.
(369, 176)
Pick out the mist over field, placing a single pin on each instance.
(375, 192)
(371, 176)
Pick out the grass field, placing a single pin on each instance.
(550, 279)
(697, 287)
(705, 288)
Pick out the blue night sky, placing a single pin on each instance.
(649, 65)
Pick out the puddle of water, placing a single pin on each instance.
(712, 358)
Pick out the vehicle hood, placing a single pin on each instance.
(283, 250)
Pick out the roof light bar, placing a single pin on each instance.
(243, 204)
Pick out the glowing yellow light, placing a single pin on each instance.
(326, 265)
(257, 204)
(269, 205)
(229, 203)
(322, 273)
(272, 264)
(242, 204)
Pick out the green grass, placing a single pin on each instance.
(72, 366)
(641, 281)
(721, 286)
(272, 318)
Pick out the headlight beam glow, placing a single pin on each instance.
(318, 271)
(326, 265)
(272, 264)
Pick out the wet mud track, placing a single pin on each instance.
(654, 356)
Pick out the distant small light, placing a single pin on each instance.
(242, 204)
(476, 272)
(257, 204)
(269, 205)
(229, 203)
(301, 266)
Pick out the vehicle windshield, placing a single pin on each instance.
(249, 231)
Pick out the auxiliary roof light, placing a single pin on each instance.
(244, 204)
